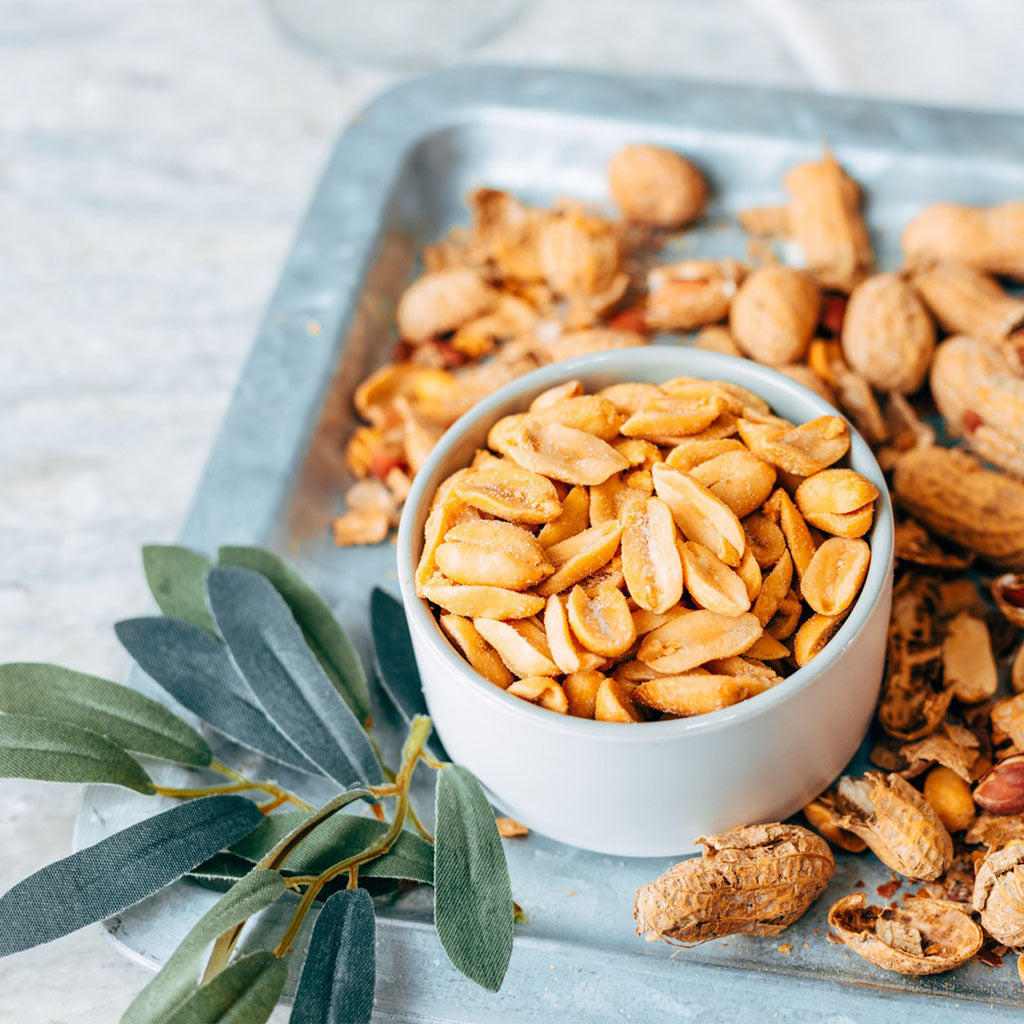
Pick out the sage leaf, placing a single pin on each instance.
(180, 975)
(268, 648)
(196, 670)
(177, 581)
(396, 663)
(472, 892)
(119, 871)
(339, 975)
(123, 715)
(38, 748)
(338, 838)
(245, 992)
(323, 633)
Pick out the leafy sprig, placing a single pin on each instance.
(248, 647)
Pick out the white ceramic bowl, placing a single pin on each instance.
(649, 789)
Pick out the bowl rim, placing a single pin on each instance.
(694, 362)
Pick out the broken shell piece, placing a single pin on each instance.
(999, 894)
(924, 936)
(824, 818)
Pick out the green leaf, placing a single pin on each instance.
(338, 838)
(177, 581)
(222, 870)
(123, 715)
(181, 974)
(195, 668)
(339, 975)
(271, 653)
(323, 632)
(38, 748)
(245, 992)
(120, 870)
(472, 892)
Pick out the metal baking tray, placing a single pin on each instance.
(276, 476)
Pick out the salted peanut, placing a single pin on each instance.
(967, 659)
(477, 651)
(474, 601)
(656, 186)
(640, 480)
(601, 620)
(697, 637)
(556, 394)
(700, 515)
(756, 880)
(888, 336)
(691, 452)
(898, 824)
(765, 541)
(823, 356)
(559, 452)
(447, 511)
(810, 379)
(589, 413)
(784, 622)
(774, 589)
(650, 560)
(610, 574)
(518, 646)
(566, 651)
(666, 420)
(774, 313)
(490, 552)
(541, 690)
(511, 492)
(999, 894)
(923, 936)
(637, 452)
(798, 538)
(980, 394)
(711, 583)
(574, 518)
(717, 339)
(835, 574)
(614, 704)
(631, 396)
(824, 218)
(691, 294)
(580, 556)
(813, 635)
(736, 397)
(750, 572)
(823, 817)
(585, 343)
(838, 501)
(957, 498)
(691, 695)
(740, 479)
(767, 648)
(440, 302)
(581, 692)
(951, 798)
(803, 450)
(632, 673)
(985, 237)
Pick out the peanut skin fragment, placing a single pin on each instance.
(756, 880)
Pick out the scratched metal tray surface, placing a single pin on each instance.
(276, 475)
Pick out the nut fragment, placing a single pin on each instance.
(650, 560)
(614, 704)
(1001, 789)
(656, 186)
(440, 302)
(489, 602)
(519, 647)
(711, 583)
(697, 637)
(824, 818)
(581, 692)
(756, 880)
(509, 492)
(476, 650)
(924, 936)
(835, 574)
(1008, 592)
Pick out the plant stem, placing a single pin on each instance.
(283, 795)
(432, 762)
(419, 825)
(418, 733)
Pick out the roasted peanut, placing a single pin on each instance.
(835, 574)
(950, 796)
(650, 560)
(656, 186)
(773, 315)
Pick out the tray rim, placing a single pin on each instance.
(234, 502)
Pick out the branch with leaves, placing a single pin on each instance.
(252, 650)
